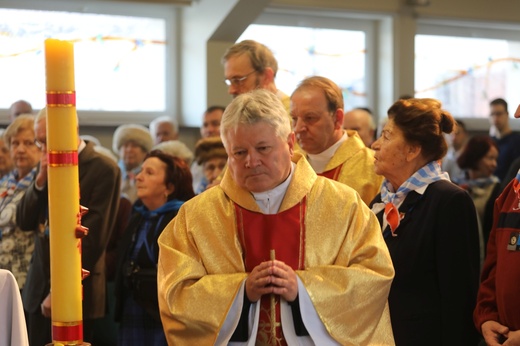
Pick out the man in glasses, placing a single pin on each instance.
(250, 65)
(317, 117)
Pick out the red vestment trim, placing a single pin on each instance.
(332, 174)
(259, 233)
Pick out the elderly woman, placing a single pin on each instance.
(163, 185)
(131, 142)
(16, 246)
(211, 155)
(430, 227)
(479, 161)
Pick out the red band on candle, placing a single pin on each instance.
(61, 98)
(67, 332)
(62, 158)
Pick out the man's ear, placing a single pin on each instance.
(339, 115)
(290, 141)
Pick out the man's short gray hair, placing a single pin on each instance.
(162, 119)
(176, 148)
(250, 108)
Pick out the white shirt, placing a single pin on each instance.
(319, 161)
(270, 201)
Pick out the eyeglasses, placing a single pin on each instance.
(237, 80)
(39, 144)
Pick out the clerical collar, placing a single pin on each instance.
(270, 201)
(81, 146)
(319, 161)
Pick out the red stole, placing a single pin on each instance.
(332, 174)
(259, 233)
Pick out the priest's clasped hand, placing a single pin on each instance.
(272, 277)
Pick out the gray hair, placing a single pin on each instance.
(163, 119)
(259, 105)
(21, 123)
(42, 114)
(176, 148)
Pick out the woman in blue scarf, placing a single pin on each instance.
(163, 184)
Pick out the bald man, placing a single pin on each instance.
(19, 107)
(360, 120)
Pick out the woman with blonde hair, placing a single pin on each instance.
(16, 246)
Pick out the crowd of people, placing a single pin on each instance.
(289, 223)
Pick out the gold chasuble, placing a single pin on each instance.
(323, 230)
(353, 165)
(283, 233)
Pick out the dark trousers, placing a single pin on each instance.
(38, 329)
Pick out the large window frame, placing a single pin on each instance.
(165, 12)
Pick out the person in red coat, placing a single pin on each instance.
(497, 315)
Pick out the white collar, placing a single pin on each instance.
(320, 161)
(270, 201)
(81, 146)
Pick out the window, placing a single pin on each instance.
(466, 73)
(120, 60)
(321, 48)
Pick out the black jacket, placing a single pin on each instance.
(436, 260)
(138, 278)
